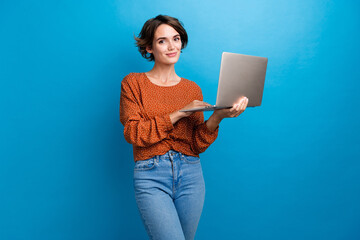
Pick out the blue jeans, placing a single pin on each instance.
(170, 193)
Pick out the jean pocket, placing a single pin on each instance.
(190, 159)
(143, 165)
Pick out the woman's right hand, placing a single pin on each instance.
(176, 116)
(194, 104)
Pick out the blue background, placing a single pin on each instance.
(286, 170)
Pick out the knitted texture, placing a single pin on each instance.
(145, 113)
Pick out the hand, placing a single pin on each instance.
(194, 104)
(176, 116)
(235, 111)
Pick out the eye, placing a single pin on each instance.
(176, 39)
(161, 41)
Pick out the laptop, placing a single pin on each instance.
(240, 75)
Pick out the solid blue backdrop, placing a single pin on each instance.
(286, 170)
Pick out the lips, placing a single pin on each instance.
(171, 54)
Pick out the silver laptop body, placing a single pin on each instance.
(240, 75)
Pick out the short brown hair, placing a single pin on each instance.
(147, 33)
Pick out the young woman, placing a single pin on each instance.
(168, 180)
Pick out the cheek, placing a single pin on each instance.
(178, 44)
(160, 48)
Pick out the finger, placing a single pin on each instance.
(241, 100)
(234, 108)
(242, 107)
(199, 103)
(205, 104)
(239, 105)
(238, 112)
(233, 114)
(238, 108)
(244, 103)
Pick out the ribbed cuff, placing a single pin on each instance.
(168, 126)
(208, 131)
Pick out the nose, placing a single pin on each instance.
(171, 45)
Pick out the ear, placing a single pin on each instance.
(149, 49)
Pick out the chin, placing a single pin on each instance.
(172, 61)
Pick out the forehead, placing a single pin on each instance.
(165, 30)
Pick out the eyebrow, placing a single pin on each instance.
(177, 35)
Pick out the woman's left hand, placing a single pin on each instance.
(235, 111)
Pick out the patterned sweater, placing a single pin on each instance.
(145, 113)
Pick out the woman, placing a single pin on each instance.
(168, 180)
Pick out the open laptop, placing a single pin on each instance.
(240, 75)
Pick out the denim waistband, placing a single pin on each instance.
(171, 154)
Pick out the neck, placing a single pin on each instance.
(164, 73)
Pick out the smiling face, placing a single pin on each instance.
(166, 45)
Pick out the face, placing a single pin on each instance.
(166, 45)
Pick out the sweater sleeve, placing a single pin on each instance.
(140, 130)
(203, 137)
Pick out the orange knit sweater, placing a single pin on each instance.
(145, 113)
